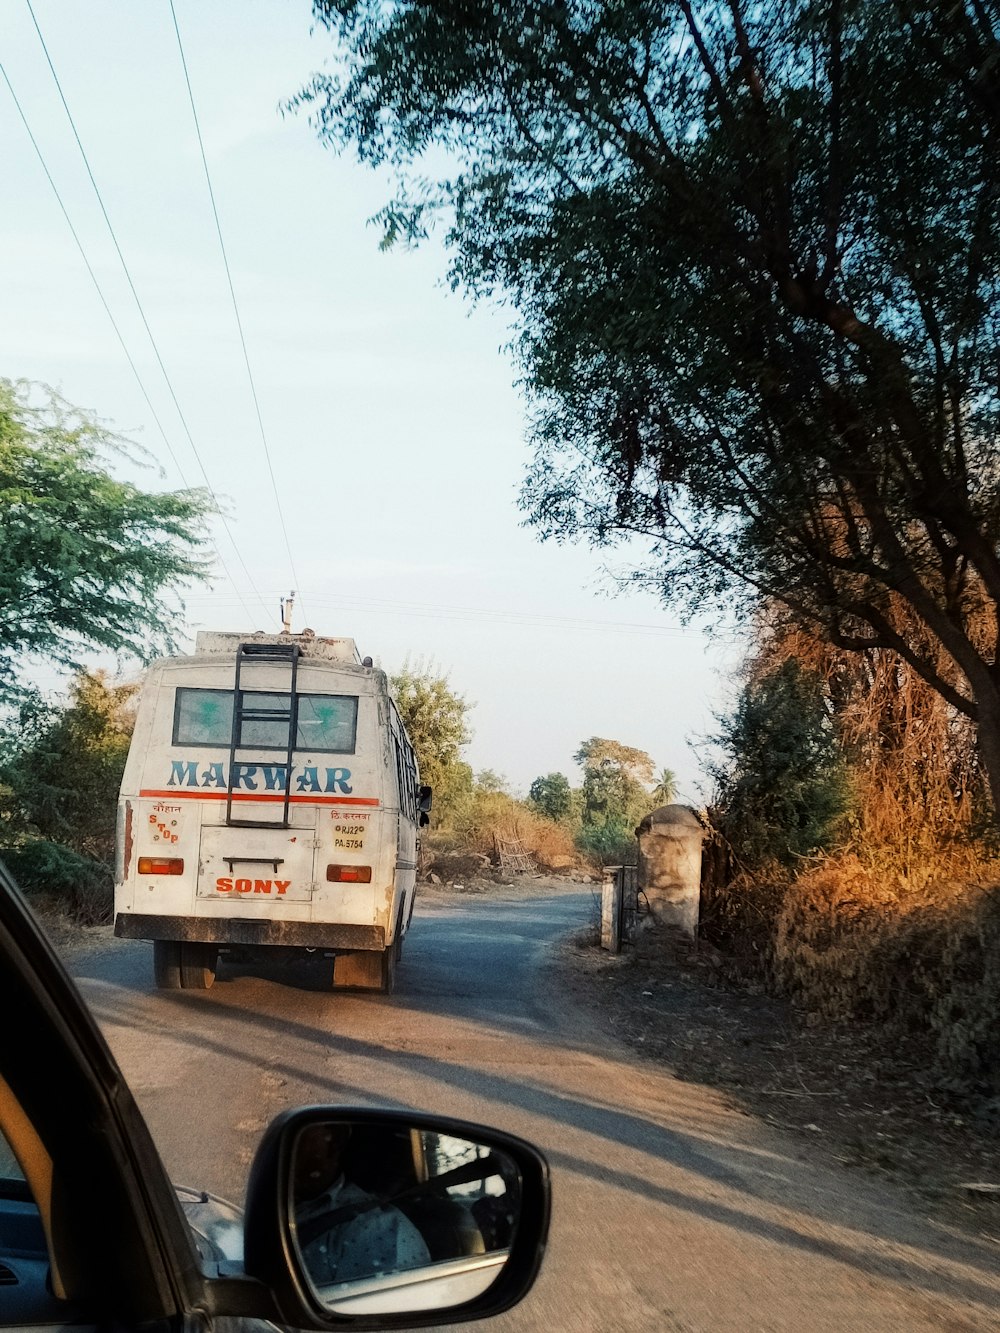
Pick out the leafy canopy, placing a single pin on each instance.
(754, 252)
(86, 560)
(61, 766)
(552, 796)
(614, 778)
(665, 791)
(60, 770)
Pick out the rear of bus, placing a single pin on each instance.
(261, 808)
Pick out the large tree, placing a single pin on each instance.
(615, 777)
(436, 718)
(86, 560)
(754, 252)
(552, 795)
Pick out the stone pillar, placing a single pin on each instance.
(670, 867)
(611, 909)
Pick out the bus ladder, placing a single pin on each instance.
(249, 655)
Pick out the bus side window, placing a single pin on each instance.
(410, 760)
(400, 786)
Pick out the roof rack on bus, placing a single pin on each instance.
(309, 644)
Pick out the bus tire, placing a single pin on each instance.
(198, 965)
(167, 964)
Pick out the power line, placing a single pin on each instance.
(114, 323)
(478, 615)
(232, 293)
(139, 305)
(93, 275)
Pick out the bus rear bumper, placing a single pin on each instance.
(237, 931)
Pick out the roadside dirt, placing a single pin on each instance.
(847, 1093)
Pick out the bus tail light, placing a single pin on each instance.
(161, 865)
(349, 874)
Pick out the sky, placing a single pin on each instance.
(391, 416)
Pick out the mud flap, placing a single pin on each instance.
(366, 970)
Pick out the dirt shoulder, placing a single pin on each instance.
(70, 939)
(850, 1096)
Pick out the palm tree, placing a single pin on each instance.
(666, 787)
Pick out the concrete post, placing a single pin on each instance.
(611, 909)
(670, 867)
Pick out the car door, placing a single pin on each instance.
(119, 1245)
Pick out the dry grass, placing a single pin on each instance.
(852, 943)
(494, 816)
(501, 818)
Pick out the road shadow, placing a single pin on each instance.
(500, 1000)
(617, 1128)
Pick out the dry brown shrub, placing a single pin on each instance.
(919, 792)
(901, 928)
(852, 943)
(495, 816)
(738, 910)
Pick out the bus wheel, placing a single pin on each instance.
(167, 964)
(198, 965)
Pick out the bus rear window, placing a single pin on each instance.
(325, 722)
(203, 717)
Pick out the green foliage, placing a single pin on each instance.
(783, 787)
(62, 767)
(552, 796)
(611, 843)
(437, 721)
(755, 255)
(85, 560)
(79, 884)
(60, 772)
(613, 778)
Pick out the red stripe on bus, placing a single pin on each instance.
(176, 792)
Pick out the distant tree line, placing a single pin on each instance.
(618, 785)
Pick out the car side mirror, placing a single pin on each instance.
(355, 1215)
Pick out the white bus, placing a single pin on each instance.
(271, 799)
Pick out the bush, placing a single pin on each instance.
(491, 816)
(850, 944)
(609, 844)
(782, 788)
(82, 886)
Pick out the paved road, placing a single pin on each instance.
(671, 1212)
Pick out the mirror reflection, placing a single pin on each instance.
(390, 1218)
